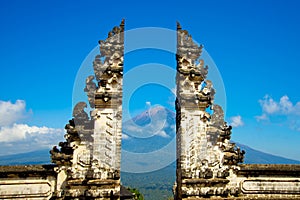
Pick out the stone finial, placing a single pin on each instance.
(178, 26)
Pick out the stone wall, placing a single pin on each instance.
(28, 182)
(269, 181)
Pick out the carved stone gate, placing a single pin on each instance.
(87, 164)
(207, 162)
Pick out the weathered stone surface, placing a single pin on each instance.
(269, 181)
(208, 163)
(270, 186)
(27, 182)
(90, 158)
(205, 155)
(29, 170)
(25, 189)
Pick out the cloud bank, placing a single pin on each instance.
(17, 137)
(280, 112)
(236, 121)
(12, 112)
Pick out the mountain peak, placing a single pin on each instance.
(155, 112)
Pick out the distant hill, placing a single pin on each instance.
(158, 185)
(154, 185)
(253, 156)
(29, 158)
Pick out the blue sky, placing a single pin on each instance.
(255, 45)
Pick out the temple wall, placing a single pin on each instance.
(254, 181)
(269, 181)
(27, 182)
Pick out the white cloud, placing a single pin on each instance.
(162, 133)
(148, 104)
(16, 137)
(236, 121)
(262, 117)
(12, 112)
(20, 138)
(124, 136)
(283, 107)
(269, 105)
(284, 110)
(132, 127)
(18, 132)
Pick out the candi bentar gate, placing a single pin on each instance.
(87, 164)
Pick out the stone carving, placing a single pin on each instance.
(206, 157)
(90, 89)
(90, 157)
(270, 186)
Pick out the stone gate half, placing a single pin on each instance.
(207, 162)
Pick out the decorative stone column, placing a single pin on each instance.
(205, 157)
(88, 162)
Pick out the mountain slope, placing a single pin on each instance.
(149, 131)
(253, 156)
(29, 158)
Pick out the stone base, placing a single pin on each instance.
(27, 182)
(93, 189)
(269, 181)
(41, 182)
(251, 181)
